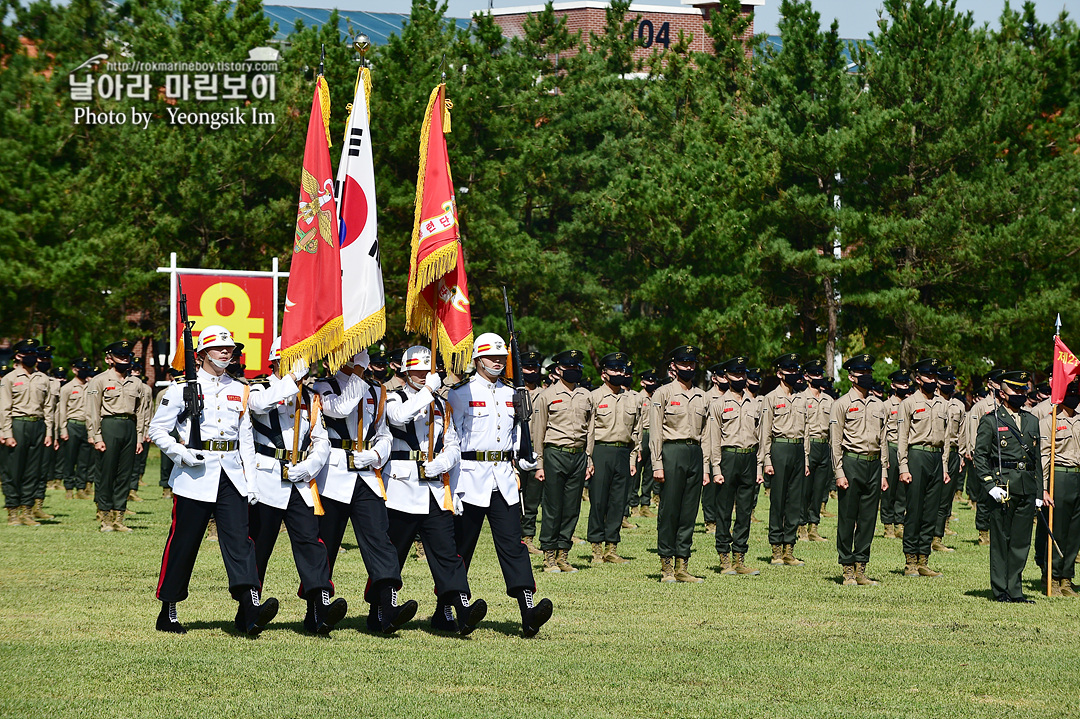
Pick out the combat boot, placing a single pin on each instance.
(667, 570)
(37, 512)
(550, 564)
(924, 570)
(562, 561)
(788, 557)
(823, 513)
(754, 519)
(777, 554)
(69, 494)
(849, 575)
(949, 532)
(813, 534)
(627, 524)
(984, 537)
(133, 496)
(118, 522)
(740, 565)
(611, 556)
(469, 615)
(1055, 587)
(682, 572)
(911, 565)
(725, 564)
(803, 534)
(646, 511)
(106, 521)
(26, 519)
(938, 546)
(860, 576)
(1067, 588)
(710, 527)
(166, 493)
(13, 517)
(530, 546)
(211, 530)
(899, 527)
(890, 533)
(82, 494)
(597, 553)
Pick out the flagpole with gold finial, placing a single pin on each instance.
(1053, 452)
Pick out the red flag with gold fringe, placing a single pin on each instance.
(313, 326)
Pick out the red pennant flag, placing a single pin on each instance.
(1066, 366)
(437, 304)
(313, 324)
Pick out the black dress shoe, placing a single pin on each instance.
(394, 617)
(374, 622)
(328, 613)
(254, 615)
(443, 619)
(167, 621)
(473, 615)
(1004, 598)
(1021, 600)
(535, 617)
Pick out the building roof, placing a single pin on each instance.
(377, 25)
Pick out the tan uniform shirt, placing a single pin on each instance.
(956, 412)
(857, 424)
(52, 408)
(72, 403)
(984, 405)
(22, 394)
(109, 394)
(922, 422)
(146, 401)
(1066, 443)
(614, 417)
(733, 422)
(892, 414)
(562, 418)
(782, 415)
(677, 414)
(1042, 409)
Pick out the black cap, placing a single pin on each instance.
(900, 376)
(123, 348)
(174, 373)
(753, 374)
(45, 352)
(1043, 388)
(376, 356)
(789, 361)
(1018, 378)
(569, 358)
(531, 359)
(928, 365)
(137, 364)
(735, 364)
(615, 360)
(395, 355)
(28, 346)
(947, 373)
(878, 387)
(685, 353)
(238, 350)
(82, 363)
(716, 369)
(860, 363)
(995, 375)
(649, 376)
(814, 366)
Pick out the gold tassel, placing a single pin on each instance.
(318, 345)
(446, 117)
(324, 103)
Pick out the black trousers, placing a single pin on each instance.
(24, 462)
(116, 462)
(189, 520)
(786, 495)
(641, 484)
(923, 500)
(505, 521)
(857, 515)
(532, 494)
(50, 466)
(819, 483)
(76, 457)
(436, 530)
(948, 491)
(1010, 542)
(736, 495)
(138, 465)
(893, 499)
(371, 526)
(607, 498)
(309, 553)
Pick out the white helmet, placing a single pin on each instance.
(215, 336)
(416, 358)
(489, 344)
(275, 350)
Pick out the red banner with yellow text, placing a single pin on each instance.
(1065, 368)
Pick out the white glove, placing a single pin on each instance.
(997, 494)
(365, 458)
(433, 382)
(252, 496)
(526, 465)
(189, 458)
(1038, 504)
(439, 465)
(299, 475)
(299, 369)
(360, 358)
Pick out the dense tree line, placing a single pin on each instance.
(914, 194)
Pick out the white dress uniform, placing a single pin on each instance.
(336, 480)
(405, 492)
(483, 415)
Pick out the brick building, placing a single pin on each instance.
(657, 28)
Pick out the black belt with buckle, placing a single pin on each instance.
(495, 456)
(220, 445)
(119, 416)
(557, 448)
(282, 454)
(620, 445)
(414, 455)
(682, 441)
(1015, 465)
(348, 444)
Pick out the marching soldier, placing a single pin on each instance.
(985, 405)
(146, 399)
(1007, 455)
(641, 484)
(956, 413)
(894, 496)
(422, 490)
(483, 416)
(613, 427)
(560, 426)
(532, 491)
(678, 440)
(821, 480)
(782, 454)
(207, 480)
(71, 421)
(1066, 499)
(283, 483)
(923, 453)
(24, 396)
(733, 433)
(352, 488)
(857, 434)
(379, 367)
(393, 361)
(115, 410)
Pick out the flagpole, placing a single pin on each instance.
(1053, 452)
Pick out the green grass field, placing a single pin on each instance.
(77, 614)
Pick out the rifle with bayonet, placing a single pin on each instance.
(522, 401)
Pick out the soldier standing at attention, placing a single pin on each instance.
(678, 442)
(821, 480)
(718, 387)
(1007, 455)
(610, 451)
(24, 396)
(561, 426)
(923, 453)
(71, 421)
(956, 412)
(1066, 499)
(894, 497)
(857, 437)
(114, 416)
(782, 455)
(146, 400)
(641, 484)
(50, 457)
(985, 405)
(733, 434)
(532, 491)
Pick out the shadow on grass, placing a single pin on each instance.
(980, 593)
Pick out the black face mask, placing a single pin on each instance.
(946, 389)
(29, 361)
(790, 379)
(928, 387)
(754, 387)
(621, 381)
(571, 375)
(1071, 400)
(902, 392)
(722, 386)
(82, 373)
(799, 386)
(866, 381)
(737, 385)
(531, 377)
(686, 375)
(1016, 401)
(381, 374)
(819, 383)
(650, 388)
(121, 367)
(44, 365)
